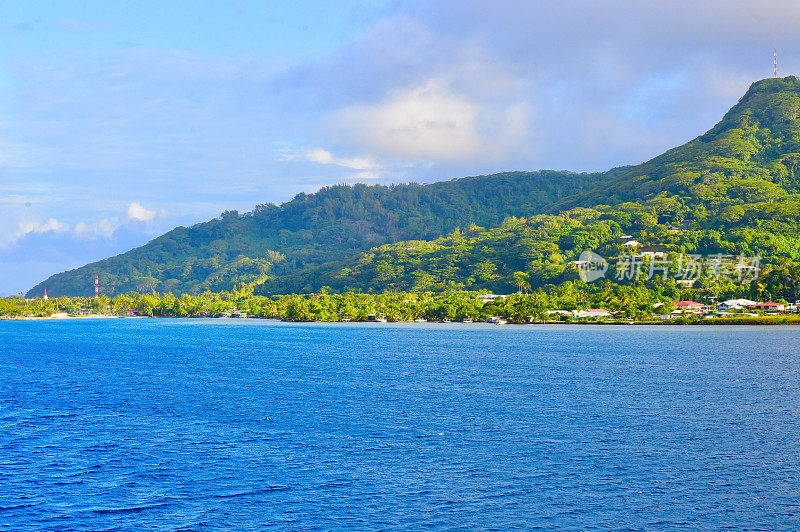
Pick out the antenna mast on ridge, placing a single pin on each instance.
(775, 62)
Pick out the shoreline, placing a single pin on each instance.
(60, 318)
(752, 321)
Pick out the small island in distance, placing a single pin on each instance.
(707, 229)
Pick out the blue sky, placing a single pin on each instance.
(119, 121)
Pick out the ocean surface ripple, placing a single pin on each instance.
(152, 424)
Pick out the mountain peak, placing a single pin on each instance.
(771, 85)
(770, 101)
(757, 141)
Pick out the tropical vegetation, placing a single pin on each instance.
(732, 191)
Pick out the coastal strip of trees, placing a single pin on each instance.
(641, 302)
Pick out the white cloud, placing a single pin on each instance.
(365, 176)
(104, 228)
(320, 156)
(434, 122)
(427, 122)
(28, 226)
(138, 212)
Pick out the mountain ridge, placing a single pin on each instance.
(732, 190)
(312, 229)
(743, 174)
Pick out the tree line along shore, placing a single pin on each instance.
(569, 302)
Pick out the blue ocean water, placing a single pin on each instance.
(142, 424)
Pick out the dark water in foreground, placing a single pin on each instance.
(251, 425)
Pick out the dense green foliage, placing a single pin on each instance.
(744, 169)
(314, 229)
(734, 190)
(638, 302)
(538, 251)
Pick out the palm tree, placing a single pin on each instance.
(522, 281)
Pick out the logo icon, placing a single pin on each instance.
(591, 266)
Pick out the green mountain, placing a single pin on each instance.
(314, 229)
(751, 157)
(731, 190)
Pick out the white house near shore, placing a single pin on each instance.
(486, 298)
(592, 313)
(736, 304)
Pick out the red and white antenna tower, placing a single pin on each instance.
(775, 62)
(96, 286)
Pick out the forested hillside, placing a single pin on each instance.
(531, 253)
(748, 165)
(732, 190)
(314, 229)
